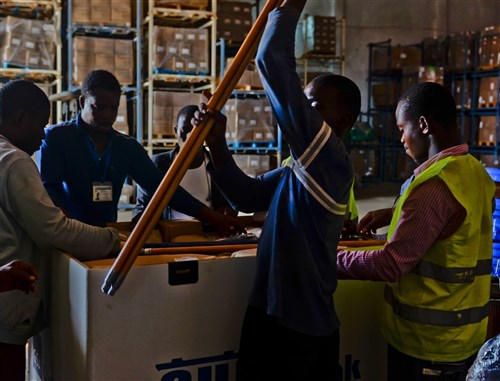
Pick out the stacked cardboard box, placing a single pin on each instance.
(395, 58)
(175, 318)
(180, 50)
(166, 106)
(250, 79)
(434, 50)
(320, 34)
(105, 12)
(461, 50)
(253, 165)
(488, 92)
(234, 20)
(28, 43)
(114, 55)
(489, 48)
(405, 57)
(487, 135)
(249, 120)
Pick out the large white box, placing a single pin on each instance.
(151, 329)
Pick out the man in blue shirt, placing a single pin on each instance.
(84, 162)
(290, 330)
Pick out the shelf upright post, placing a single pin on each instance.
(150, 21)
(69, 39)
(58, 84)
(342, 45)
(138, 73)
(213, 47)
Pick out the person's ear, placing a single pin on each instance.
(81, 101)
(423, 125)
(317, 105)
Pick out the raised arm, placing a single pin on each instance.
(277, 66)
(299, 4)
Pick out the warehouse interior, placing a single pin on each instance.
(165, 53)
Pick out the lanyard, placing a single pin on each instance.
(103, 166)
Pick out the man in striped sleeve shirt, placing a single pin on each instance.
(437, 260)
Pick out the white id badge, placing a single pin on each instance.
(102, 192)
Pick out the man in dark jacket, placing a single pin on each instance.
(196, 181)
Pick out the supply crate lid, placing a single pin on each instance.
(494, 173)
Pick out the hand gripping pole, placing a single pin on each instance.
(173, 177)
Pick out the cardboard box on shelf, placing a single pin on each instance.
(489, 48)
(320, 34)
(121, 122)
(488, 92)
(114, 55)
(166, 106)
(487, 135)
(180, 49)
(234, 20)
(461, 50)
(27, 43)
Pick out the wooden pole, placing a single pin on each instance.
(174, 175)
(209, 249)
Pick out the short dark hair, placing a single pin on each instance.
(351, 95)
(431, 100)
(100, 79)
(186, 110)
(21, 95)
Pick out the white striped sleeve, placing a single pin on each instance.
(299, 168)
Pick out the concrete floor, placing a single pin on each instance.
(373, 196)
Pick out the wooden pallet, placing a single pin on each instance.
(248, 88)
(182, 6)
(486, 143)
(487, 67)
(27, 10)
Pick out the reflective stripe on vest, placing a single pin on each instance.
(453, 274)
(436, 317)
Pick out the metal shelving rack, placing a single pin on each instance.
(469, 114)
(248, 148)
(181, 82)
(52, 78)
(391, 153)
(69, 97)
(334, 62)
(388, 78)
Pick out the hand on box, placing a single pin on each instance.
(374, 220)
(226, 223)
